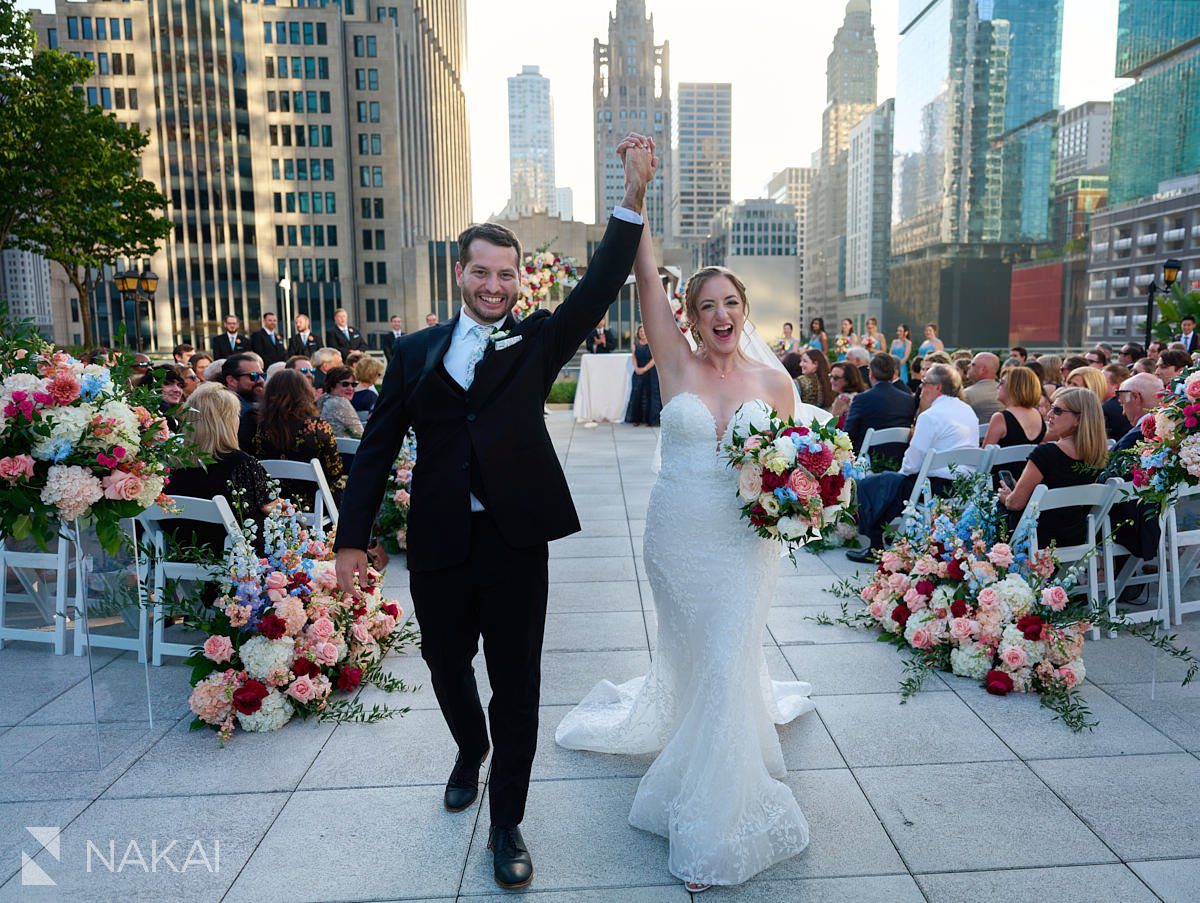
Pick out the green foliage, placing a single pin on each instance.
(562, 392)
(1172, 308)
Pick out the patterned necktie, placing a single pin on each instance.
(479, 335)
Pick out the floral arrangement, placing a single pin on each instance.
(1169, 455)
(544, 270)
(76, 443)
(282, 639)
(959, 595)
(795, 482)
(393, 513)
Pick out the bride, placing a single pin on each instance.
(707, 701)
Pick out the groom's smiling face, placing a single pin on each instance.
(489, 280)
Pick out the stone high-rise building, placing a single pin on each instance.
(312, 141)
(531, 143)
(702, 177)
(631, 92)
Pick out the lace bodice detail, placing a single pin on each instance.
(690, 445)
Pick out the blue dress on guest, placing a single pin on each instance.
(645, 399)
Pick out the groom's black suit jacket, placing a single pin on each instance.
(498, 426)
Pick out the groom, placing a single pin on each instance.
(488, 495)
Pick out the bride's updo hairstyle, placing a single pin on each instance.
(691, 294)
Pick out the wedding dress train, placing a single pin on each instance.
(707, 702)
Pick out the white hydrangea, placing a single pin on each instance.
(20, 382)
(128, 428)
(751, 415)
(1034, 650)
(1189, 454)
(972, 661)
(67, 424)
(917, 620)
(152, 489)
(276, 711)
(942, 597)
(1015, 593)
(262, 656)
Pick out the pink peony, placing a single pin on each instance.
(122, 486)
(291, 610)
(301, 689)
(869, 592)
(1055, 597)
(1001, 555)
(326, 654)
(1193, 390)
(16, 467)
(914, 600)
(401, 497)
(1014, 656)
(898, 583)
(360, 632)
(321, 628)
(1067, 673)
(218, 649)
(878, 609)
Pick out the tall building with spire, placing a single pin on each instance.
(631, 91)
(531, 143)
(850, 95)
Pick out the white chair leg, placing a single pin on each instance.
(3, 587)
(1175, 601)
(60, 598)
(156, 658)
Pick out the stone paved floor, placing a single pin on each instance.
(955, 796)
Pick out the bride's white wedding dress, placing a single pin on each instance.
(707, 701)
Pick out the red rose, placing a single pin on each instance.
(305, 666)
(794, 431)
(924, 587)
(831, 488)
(772, 481)
(349, 677)
(298, 579)
(360, 611)
(390, 608)
(272, 626)
(1031, 626)
(248, 698)
(900, 614)
(759, 517)
(954, 569)
(998, 683)
(958, 608)
(1148, 427)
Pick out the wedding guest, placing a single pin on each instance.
(212, 417)
(902, 350)
(1115, 423)
(1135, 523)
(813, 381)
(873, 340)
(645, 400)
(1020, 422)
(1170, 364)
(289, 428)
(323, 361)
(344, 337)
(300, 364)
(304, 341)
(191, 381)
(199, 363)
(886, 405)
(212, 373)
(1154, 349)
(789, 344)
(601, 340)
(389, 338)
(243, 376)
(1138, 397)
(367, 372)
(982, 393)
(791, 363)
(932, 342)
(1071, 364)
(1129, 353)
(1144, 365)
(858, 356)
(816, 335)
(1187, 334)
(431, 319)
(172, 390)
(946, 422)
(231, 341)
(140, 367)
(1073, 455)
(846, 382)
(1019, 353)
(914, 379)
(846, 339)
(1097, 358)
(182, 354)
(334, 404)
(276, 367)
(267, 343)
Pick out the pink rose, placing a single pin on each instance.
(892, 562)
(402, 497)
(869, 592)
(962, 628)
(878, 610)
(16, 467)
(218, 649)
(122, 486)
(321, 628)
(1193, 390)
(926, 566)
(803, 484)
(988, 598)
(1055, 597)
(1001, 555)
(1067, 673)
(360, 632)
(1014, 656)
(301, 689)
(922, 638)
(326, 654)
(914, 600)
(751, 445)
(326, 579)
(277, 580)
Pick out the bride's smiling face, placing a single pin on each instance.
(721, 314)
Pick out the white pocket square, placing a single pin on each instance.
(504, 343)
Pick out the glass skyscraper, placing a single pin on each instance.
(1156, 121)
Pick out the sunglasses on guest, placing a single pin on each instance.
(307, 371)
(253, 377)
(1056, 411)
(347, 384)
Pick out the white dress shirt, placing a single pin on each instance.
(948, 423)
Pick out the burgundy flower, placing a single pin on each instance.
(900, 614)
(248, 698)
(759, 517)
(998, 683)
(794, 431)
(391, 609)
(349, 677)
(924, 587)
(954, 569)
(831, 488)
(958, 608)
(1031, 626)
(772, 481)
(305, 666)
(272, 626)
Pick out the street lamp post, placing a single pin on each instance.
(137, 287)
(1171, 270)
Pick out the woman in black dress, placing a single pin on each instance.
(290, 429)
(1020, 423)
(645, 401)
(1074, 456)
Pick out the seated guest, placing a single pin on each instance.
(199, 363)
(791, 363)
(368, 372)
(914, 381)
(981, 393)
(334, 405)
(645, 398)
(212, 373)
(1136, 523)
(1020, 423)
(813, 380)
(1130, 352)
(946, 422)
(289, 428)
(243, 375)
(1138, 397)
(182, 354)
(886, 405)
(322, 361)
(1154, 349)
(1073, 455)
(1170, 364)
(1115, 423)
(301, 364)
(860, 358)
(1097, 357)
(1071, 364)
(1145, 365)
(846, 382)
(1090, 378)
(212, 415)
(172, 390)
(1020, 353)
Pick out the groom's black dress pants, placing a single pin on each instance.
(499, 592)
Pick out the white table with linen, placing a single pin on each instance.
(603, 390)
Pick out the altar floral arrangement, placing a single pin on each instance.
(1169, 455)
(795, 482)
(960, 595)
(541, 272)
(284, 641)
(77, 443)
(397, 498)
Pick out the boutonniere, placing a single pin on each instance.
(499, 336)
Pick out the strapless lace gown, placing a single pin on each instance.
(707, 701)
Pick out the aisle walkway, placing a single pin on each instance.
(956, 796)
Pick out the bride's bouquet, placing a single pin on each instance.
(796, 482)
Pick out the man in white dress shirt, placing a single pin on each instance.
(945, 422)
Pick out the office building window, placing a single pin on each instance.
(73, 28)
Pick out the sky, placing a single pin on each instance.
(772, 51)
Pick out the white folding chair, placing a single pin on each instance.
(348, 445)
(325, 512)
(1183, 552)
(1013, 454)
(209, 511)
(22, 563)
(956, 459)
(983, 428)
(1133, 571)
(873, 438)
(1112, 443)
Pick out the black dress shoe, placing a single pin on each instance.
(463, 787)
(862, 556)
(511, 861)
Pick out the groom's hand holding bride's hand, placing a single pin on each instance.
(638, 157)
(348, 564)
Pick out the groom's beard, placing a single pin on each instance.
(484, 316)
